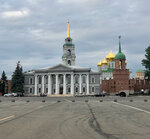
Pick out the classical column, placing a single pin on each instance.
(56, 88)
(72, 84)
(49, 84)
(80, 84)
(43, 90)
(64, 84)
(87, 83)
(35, 86)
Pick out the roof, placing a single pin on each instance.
(120, 55)
(108, 70)
(140, 70)
(110, 55)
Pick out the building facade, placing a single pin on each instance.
(65, 78)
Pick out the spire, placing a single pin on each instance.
(119, 44)
(68, 30)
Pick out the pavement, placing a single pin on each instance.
(75, 117)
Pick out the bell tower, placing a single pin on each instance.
(68, 57)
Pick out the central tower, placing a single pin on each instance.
(68, 57)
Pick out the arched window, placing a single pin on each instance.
(68, 52)
(69, 63)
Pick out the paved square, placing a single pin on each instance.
(75, 118)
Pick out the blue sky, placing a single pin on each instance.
(33, 31)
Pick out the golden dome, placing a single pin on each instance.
(104, 62)
(110, 55)
(99, 64)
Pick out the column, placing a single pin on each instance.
(56, 88)
(64, 84)
(43, 90)
(87, 83)
(80, 84)
(35, 86)
(72, 84)
(49, 84)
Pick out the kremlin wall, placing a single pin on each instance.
(115, 78)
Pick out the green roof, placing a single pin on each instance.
(68, 44)
(120, 55)
(108, 70)
(140, 70)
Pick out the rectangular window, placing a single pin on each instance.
(93, 89)
(92, 80)
(30, 90)
(39, 90)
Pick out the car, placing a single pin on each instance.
(20, 94)
(8, 95)
(43, 95)
(14, 94)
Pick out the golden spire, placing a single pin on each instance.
(68, 30)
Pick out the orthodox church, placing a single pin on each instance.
(65, 78)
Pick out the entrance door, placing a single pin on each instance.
(61, 90)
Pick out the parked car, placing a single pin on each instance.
(8, 95)
(20, 94)
(14, 94)
(43, 95)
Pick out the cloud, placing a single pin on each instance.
(15, 14)
(34, 31)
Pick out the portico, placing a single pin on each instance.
(61, 83)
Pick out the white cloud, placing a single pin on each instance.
(16, 14)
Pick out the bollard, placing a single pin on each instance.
(115, 100)
(13, 100)
(86, 100)
(43, 100)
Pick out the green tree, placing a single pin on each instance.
(146, 63)
(3, 83)
(17, 80)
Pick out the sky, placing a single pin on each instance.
(33, 31)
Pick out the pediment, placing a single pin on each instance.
(60, 67)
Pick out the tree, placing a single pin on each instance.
(3, 83)
(146, 63)
(17, 80)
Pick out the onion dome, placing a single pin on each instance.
(104, 62)
(99, 64)
(120, 55)
(110, 55)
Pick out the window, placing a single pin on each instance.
(46, 90)
(69, 63)
(92, 80)
(69, 90)
(83, 79)
(93, 89)
(31, 81)
(76, 79)
(68, 52)
(30, 90)
(40, 79)
(83, 89)
(46, 79)
(39, 90)
(76, 89)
